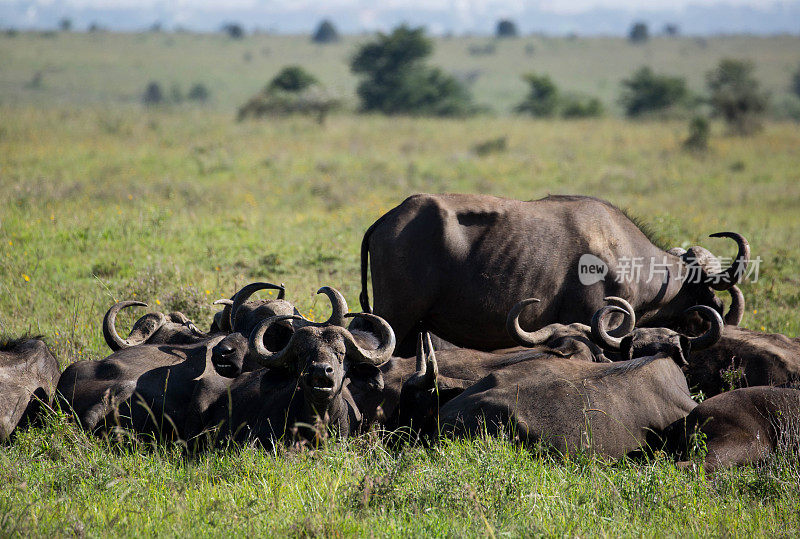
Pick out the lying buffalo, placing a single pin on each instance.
(28, 377)
(147, 388)
(152, 328)
(742, 357)
(455, 263)
(241, 315)
(303, 390)
(739, 427)
(608, 408)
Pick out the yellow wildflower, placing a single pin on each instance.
(26, 277)
(158, 302)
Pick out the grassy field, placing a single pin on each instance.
(81, 69)
(177, 207)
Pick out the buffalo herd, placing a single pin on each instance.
(483, 322)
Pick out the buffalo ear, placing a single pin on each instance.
(366, 373)
(626, 348)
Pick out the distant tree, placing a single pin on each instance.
(699, 131)
(153, 94)
(94, 27)
(542, 99)
(647, 92)
(291, 91)
(292, 79)
(736, 96)
(156, 27)
(796, 82)
(325, 33)
(506, 28)
(671, 30)
(234, 30)
(638, 33)
(65, 24)
(198, 92)
(397, 81)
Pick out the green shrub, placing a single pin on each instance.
(153, 94)
(638, 33)
(647, 92)
(736, 97)
(198, 92)
(397, 81)
(578, 106)
(542, 99)
(292, 79)
(699, 132)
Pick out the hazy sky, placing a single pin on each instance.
(556, 16)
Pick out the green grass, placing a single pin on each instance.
(86, 69)
(179, 206)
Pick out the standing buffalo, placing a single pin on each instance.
(608, 408)
(739, 427)
(28, 377)
(458, 263)
(303, 389)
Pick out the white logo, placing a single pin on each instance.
(591, 269)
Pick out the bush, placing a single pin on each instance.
(153, 94)
(638, 33)
(234, 31)
(577, 106)
(647, 92)
(671, 30)
(198, 92)
(397, 81)
(542, 99)
(699, 132)
(65, 24)
(506, 28)
(292, 79)
(325, 33)
(796, 83)
(736, 97)
(292, 91)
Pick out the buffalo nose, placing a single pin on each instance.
(225, 350)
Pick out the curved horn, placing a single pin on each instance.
(427, 367)
(338, 308)
(628, 322)
(264, 356)
(224, 315)
(520, 336)
(244, 294)
(733, 275)
(113, 340)
(600, 334)
(736, 312)
(714, 333)
(385, 336)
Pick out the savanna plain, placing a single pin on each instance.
(103, 200)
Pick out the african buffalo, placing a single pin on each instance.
(739, 427)
(608, 408)
(147, 388)
(152, 328)
(456, 264)
(28, 377)
(231, 355)
(744, 356)
(303, 389)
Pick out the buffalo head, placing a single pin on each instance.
(652, 341)
(152, 328)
